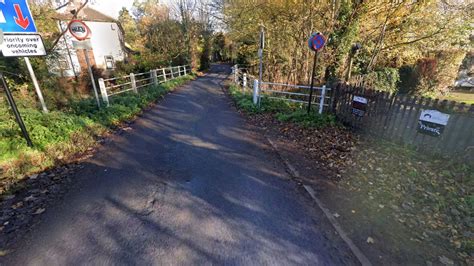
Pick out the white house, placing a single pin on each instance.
(107, 42)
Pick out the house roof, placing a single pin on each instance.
(86, 14)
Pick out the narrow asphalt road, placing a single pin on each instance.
(189, 184)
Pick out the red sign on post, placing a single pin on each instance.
(79, 30)
(316, 42)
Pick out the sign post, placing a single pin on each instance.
(260, 56)
(18, 118)
(19, 38)
(82, 32)
(316, 42)
(35, 83)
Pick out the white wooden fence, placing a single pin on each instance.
(281, 91)
(113, 86)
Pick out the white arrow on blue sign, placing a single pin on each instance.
(15, 17)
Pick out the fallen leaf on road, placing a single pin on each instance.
(17, 205)
(445, 261)
(4, 252)
(39, 211)
(370, 240)
(336, 215)
(29, 198)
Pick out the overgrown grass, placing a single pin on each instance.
(417, 198)
(59, 135)
(283, 110)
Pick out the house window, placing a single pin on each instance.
(109, 62)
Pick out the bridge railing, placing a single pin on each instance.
(281, 91)
(132, 82)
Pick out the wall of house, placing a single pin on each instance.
(64, 61)
(105, 41)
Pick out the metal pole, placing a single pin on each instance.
(68, 51)
(255, 92)
(312, 81)
(349, 68)
(260, 53)
(18, 118)
(86, 54)
(35, 83)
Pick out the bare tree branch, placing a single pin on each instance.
(74, 16)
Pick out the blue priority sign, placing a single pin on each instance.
(15, 17)
(316, 42)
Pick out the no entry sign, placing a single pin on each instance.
(316, 42)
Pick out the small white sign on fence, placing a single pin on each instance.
(432, 122)
(434, 116)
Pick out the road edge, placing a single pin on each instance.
(344, 236)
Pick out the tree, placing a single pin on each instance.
(129, 25)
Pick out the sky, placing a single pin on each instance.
(112, 7)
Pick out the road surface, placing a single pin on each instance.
(190, 184)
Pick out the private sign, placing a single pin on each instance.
(19, 27)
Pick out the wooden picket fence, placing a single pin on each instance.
(396, 117)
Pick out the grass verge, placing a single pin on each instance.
(414, 205)
(59, 136)
(283, 111)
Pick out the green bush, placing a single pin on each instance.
(385, 79)
(283, 110)
(62, 134)
(408, 79)
(308, 120)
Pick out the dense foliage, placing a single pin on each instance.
(392, 34)
(59, 135)
(282, 110)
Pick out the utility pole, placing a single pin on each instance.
(355, 48)
(35, 84)
(260, 52)
(260, 55)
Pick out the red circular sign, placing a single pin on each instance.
(79, 30)
(316, 42)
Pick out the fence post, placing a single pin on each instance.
(185, 70)
(179, 71)
(255, 91)
(244, 82)
(103, 92)
(134, 83)
(164, 73)
(154, 78)
(236, 76)
(321, 101)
